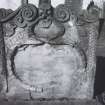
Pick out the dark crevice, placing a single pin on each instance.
(99, 86)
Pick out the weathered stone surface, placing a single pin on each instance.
(47, 69)
(52, 102)
(50, 71)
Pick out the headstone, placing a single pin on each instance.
(44, 54)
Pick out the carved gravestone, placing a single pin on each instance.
(43, 55)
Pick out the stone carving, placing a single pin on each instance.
(26, 14)
(4, 71)
(17, 39)
(47, 29)
(44, 55)
(90, 15)
(62, 13)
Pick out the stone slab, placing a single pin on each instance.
(51, 102)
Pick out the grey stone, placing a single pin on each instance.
(55, 72)
(53, 102)
(39, 69)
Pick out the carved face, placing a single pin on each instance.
(45, 11)
(47, 29)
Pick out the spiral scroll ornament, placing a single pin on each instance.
(28, 13)
(62, 13)
(19, 21)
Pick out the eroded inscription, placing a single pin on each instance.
(17, 39)
(48, 69)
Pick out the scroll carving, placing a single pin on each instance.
(27, 13)
(62, 13)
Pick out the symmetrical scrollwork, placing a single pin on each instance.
(62, 13)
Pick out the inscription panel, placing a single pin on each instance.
(49, 70)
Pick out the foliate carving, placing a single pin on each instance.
(27, 14)
(89, 16)
(62, 13)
